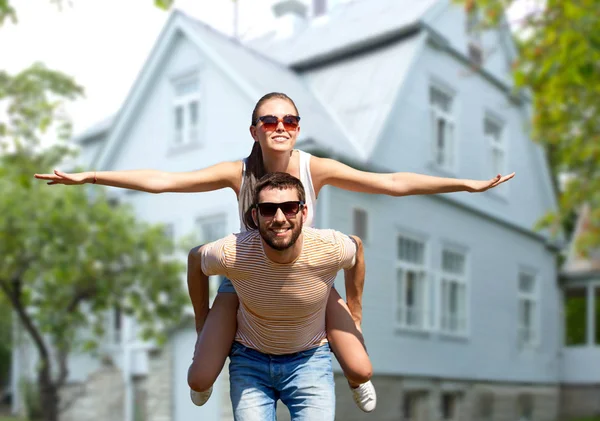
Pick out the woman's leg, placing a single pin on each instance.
(214, 342)
(345, 338)
(216, 328)
(346, 341)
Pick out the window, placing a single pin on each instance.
(359, 224)
(186, 110)
(485, 406)
(411, 284)
(210, 229)
(493, 132)
(450, 406)
(575, 310)
(525, 407)
(453, 292)
(528, 308)
(414, 406)
(442, 127)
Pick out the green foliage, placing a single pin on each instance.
(36, 97)
(70, 246)
(559, 65)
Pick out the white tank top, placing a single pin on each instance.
(305, 178)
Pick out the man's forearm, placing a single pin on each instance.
(198, 287)
(355, 282)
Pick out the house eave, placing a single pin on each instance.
(357, 48)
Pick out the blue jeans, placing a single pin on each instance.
(303, 381)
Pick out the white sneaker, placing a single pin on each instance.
(365, 396)
(200, 398)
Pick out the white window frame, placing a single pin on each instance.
(437, 112)
(363, 236)
(188, 133)
(462, 280)
(497, 144)
(533, 331)
(419, 268)
(213, 281)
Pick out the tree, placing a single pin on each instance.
(558, 65)
(69, 255)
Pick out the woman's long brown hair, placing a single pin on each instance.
(255, 166)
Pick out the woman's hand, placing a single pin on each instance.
(478, 186)
(59, 177)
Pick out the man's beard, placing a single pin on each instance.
(280, 244)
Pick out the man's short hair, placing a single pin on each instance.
(278, 181)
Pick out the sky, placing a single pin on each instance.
(103, 44)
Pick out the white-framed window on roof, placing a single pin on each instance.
(441, 103)
(453, 292)
(495, 138)
(528, 309)
(412, 302)
(186, 110)
(209, 229)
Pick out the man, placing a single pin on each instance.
(282, 274)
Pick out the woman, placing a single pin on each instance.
(274, 128)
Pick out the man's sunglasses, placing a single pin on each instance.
(270, 122)
(289, 209)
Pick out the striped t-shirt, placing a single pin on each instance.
(282, 306)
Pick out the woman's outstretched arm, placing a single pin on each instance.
(328, 171)
(224, 174)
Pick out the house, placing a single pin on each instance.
(461, 306)
(580, 279)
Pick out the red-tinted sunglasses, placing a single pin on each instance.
(270, 122)
(289, 209)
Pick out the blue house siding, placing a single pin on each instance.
(495, 256)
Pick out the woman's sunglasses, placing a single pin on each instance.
(289, 209)
(270, 122)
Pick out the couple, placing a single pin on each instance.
(274, 128)
(282, 274)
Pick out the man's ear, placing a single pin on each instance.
(304, 213)
(255, 216)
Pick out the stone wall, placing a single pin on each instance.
(578, 401)
(464, 400)
(101, 397)
(158, 384)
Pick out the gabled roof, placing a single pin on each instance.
(350, 26)
(254, 74)
(576, 264)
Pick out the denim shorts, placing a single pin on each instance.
(303, 381)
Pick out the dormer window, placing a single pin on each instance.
(186, 110)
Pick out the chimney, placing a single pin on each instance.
(290, 17)
(319, 7)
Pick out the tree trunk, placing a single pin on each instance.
(48, 393)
